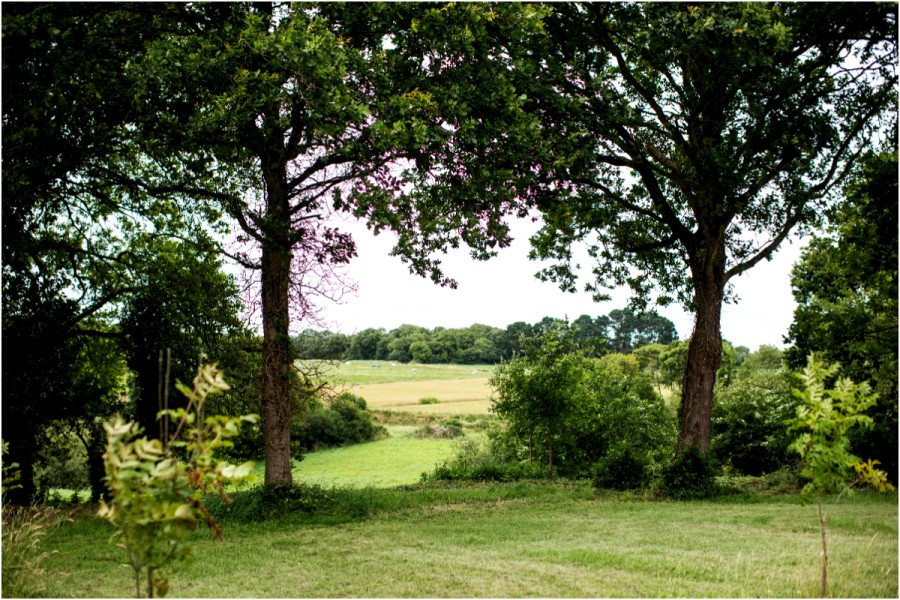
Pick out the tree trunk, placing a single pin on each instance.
(704, 351)
(277, 363)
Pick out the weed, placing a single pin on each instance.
(23, 561)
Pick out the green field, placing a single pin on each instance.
(513, 540)
(460, 389)
(361, 372)
(398, 460)
(370, 530)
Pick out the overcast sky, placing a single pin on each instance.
(504, 290)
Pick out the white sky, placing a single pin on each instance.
(504, 290)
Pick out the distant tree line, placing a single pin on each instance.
(620, 331)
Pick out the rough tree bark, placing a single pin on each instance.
(705, 349)
(277, 361)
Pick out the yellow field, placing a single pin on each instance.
(456, 396)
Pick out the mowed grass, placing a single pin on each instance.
(398, 460)
(516, 540)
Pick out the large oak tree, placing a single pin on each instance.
(685, 143)
(282, 114)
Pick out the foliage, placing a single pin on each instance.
(751, 418)
(342, 421)
(75, 230)
(475, 459)
(621, 469)
(620, 331)
(824, 420)
(62, 464)
(23, 529)
(619, 413)
(845, 286)
(684, 143)
(156, 498)
(537, 391)
(689, 476)
(610, 410)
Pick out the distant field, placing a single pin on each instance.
(456, 396)
(460, 389)
(363, 372)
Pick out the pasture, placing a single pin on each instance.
(460, 389)
(511, 540)
(398, 460)
(362, 526)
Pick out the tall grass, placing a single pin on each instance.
(24, 528)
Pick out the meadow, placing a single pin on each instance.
(459, 389)
(361, 525)
(512, 540)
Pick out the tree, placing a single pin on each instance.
(364, 345)
(183, 304)
(537, 391)
(69, 228)
(845, 286)
(686, 142)
(628, 330)
(294, 111)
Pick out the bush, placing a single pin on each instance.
(749, 425)
(620, 414)
(61, 463)
(344, 421)
(429, 400)
(474, 460)
(621, 470)
(689, 476)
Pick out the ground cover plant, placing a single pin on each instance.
(513, 540)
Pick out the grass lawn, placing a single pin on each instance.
(515, 540)
(398, 460)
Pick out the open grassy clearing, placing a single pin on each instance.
(398, 460)
(405, 395)
(516, 540)
(362, 372)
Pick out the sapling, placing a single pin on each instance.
(824, 419)
(156, 498)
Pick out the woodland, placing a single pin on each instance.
(174, 174)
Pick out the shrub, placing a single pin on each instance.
(620, 470)
(429, 400)
(155, 498)
(61, 463)
(750, 422)
(343, 421)
(619, 413)
(689, 476)
(474, 460)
